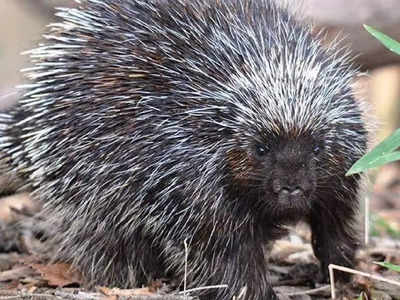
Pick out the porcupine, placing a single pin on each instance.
(151, 123)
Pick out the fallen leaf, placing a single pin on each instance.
(59, 275)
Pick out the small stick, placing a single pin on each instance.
(348, 270)
(366, 221)
(220, 286)
(309, 292)
(186, 259)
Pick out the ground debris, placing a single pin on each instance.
(25, 271)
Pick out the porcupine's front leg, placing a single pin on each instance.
(238, 265)
(334, 238)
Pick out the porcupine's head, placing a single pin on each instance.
(296, 126)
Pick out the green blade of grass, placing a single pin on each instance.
(389, 266)
(387, 41)
(376, 162)
(383, 153)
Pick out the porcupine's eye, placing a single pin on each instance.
(261, 150)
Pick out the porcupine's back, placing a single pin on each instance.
(134, 105)
(113, 64)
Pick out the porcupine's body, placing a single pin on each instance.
(149, 123)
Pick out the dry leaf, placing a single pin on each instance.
(59, 275)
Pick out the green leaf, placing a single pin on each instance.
(383, 153)
(387, 41)
(389, 266)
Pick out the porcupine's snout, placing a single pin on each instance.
(293, 188)
(293, 176)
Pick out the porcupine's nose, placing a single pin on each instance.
(287, 189)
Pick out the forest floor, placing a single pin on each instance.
(26, 274)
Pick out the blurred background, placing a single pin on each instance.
(22, 22)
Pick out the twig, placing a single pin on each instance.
(186, 260)
(80, 295)
(309, 292)
(24, 295)
(331, 267)
(220, 286)
(366, 221)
